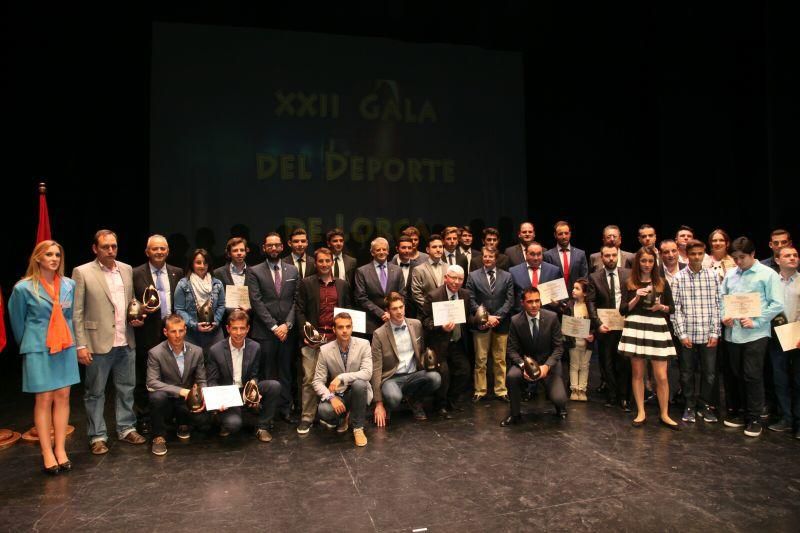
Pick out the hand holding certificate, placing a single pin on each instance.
(611, 318)
(553, 291)
(788, 335)
(222, 396)
(744, 305)
(448, 311)
(236, 297)
(575, 327)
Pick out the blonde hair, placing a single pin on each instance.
(34, 272)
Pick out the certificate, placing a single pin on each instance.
(216, 397)
(575, 327)
(359, 318)
(788, 335)
(448, 311)
(611, 319)
(236, 296)
(553, 291)
(744, 305)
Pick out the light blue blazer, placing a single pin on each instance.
(30, 315)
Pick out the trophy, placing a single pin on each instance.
(314, 337)
(250, 394)
(531, 367)
(151, 300)
(194, 400)
(482, 314)
(205, 313)
(430, 360)
(136, 310)
(650, 299)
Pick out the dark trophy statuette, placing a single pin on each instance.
(430, 360)
(650, 299)
(205, 313)
(531, 367)
(250, 394)
(194, 400)
(482, 314)
(151, 300)
(135, 310)
(314, 337)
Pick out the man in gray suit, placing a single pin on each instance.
(271, 286)
(374, 281)
(105, 342)
(611, 237)
(397, 368)
(341, 380)
(494, 289)
(173, 367)
(429, 274)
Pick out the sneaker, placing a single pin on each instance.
(688, 415)
(753, 429)
(159, 446)
(359, 438)
(419, 411)
(304, 427)
(184, 433)
(707, 415)
(263, 435)
(344, 425)
(734, 422)
(780, 426)
(765, 413)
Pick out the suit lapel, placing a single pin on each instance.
(101, 279)
(173, 364)
(393, 342)
(229, 357)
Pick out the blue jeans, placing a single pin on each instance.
(122, 362)
(414, 386)
(786, 369)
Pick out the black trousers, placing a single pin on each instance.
(617, 367)
(276, 362)
(554, 383)
(163, 407)
(746, 362)
(455, 375)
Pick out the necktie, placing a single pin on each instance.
(491, 281)
(344, 358)
(277, 279)
(336, 268)
(456, 335)
(565, 257)
(534, 328)
(300, 268)
(534, 277)
(613, 289)
(451, 259)
(382, 266)
(162, 295)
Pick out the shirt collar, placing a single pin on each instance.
(450, 294)
(230, 343)
(182, 352)
(156, 270)
(238, 272)
(115, 268)
(296, 258)
(536, 316)
(790, 279)
(378, 265)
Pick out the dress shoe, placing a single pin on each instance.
(51, 470)
(263, 435)
(511, 420)
(527, 396)
(504, 398)
(610, 403)
(133, 437)
(444, 413)
(452, 406)
(561, 413)
(184, 432)
(419, 411)
(673, 427)
(344, 424)
(288, 418)
(477, 398)
(99, 447)
(625, 406)
(66, 466)
(638, 423)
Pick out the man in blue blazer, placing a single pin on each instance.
(494, 289)
(271, 286)
(571, 261)
(235, 361)
(531, 273)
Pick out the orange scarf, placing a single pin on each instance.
(58, 334)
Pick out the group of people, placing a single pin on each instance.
(669, 296)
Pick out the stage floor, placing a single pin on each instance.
(590, 472)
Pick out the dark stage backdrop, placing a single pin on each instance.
(253, 130)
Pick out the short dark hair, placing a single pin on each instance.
(272, 234)
(297, 231)
(684, 227)
(743, 245)
(234, 241)
(404, 238)
(342, 316)
(666, 241)
(493, 251)
(584, 283)
(411, 230)
(434, 237)
(102, 233)
(335, 232)
(491, 231)
(238, 314)
(194, 254)
(463, 229)
(645, 226)
(780, 231)
(529, 290)
(694, 243)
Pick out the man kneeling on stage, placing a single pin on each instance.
(173, 367)
(397, 367)
(535, 333)
(341, 379)
(235, 361)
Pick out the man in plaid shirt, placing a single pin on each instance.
(697, 325)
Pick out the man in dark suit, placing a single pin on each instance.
(536, 333)
(491, 239)
(235, 361)
(316, 297)
(271, 286)
(344, 266)
(611, 237)
(298, 242)
(173, 367)
(164, 278)
(450, 244)
(405, 249)
(494, 289)
(374, 281)
(778, 240)
(234, 272)
(449, 341)
(525, 236)
(428, 274)
(397, 367)
(467, 256)
(531, 273)
(608, 289)
(570, 261)
(671, 265)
